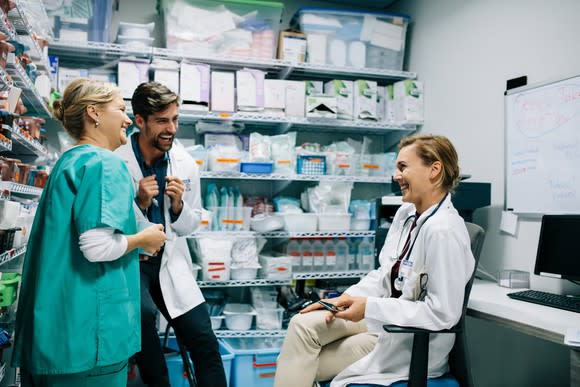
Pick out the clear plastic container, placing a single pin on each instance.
(330, 254)
(351, 38)
(300, 222)
(366, 255)
(318, 258)
(307, 257)
(333, 222)
(244, 28)
(269, 318)
(293, 251)
(239, 317)
(231, 218)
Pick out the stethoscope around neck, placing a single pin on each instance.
(399, 281)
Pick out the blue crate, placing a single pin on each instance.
(254, 363)
(311, 165)
(177, 377)
(252, 167)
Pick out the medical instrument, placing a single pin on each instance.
(400, 280)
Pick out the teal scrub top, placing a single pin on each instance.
(74, 315)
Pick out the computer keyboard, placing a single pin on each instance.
(548, 299)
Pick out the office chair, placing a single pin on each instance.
(459, 367)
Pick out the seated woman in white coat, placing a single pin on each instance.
(428, 239)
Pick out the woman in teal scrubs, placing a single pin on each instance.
(77, 320)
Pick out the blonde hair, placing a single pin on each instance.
(431, 148)
(79, 94)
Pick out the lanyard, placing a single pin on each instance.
(408, 253)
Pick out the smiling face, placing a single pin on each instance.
(416, 179)
(113, 122)
(159, 130)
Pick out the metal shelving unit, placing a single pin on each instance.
(26, 146)
(329, 275)
(282, 234)
(250, 333)
(250, 176)
(106, 52)
(5, 146)
(11, 254)
(30, 95)
(235, 283)
(20, 189)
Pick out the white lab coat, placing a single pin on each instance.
(176, 276)
(443, 250)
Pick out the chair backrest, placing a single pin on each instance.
(459, 357)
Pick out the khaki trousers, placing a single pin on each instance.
(316, 351)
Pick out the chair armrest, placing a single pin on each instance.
(399, 329)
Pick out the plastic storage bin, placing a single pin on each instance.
(177, 377)
(333, 222)
(254, 363)
(269, 318)
(8, 288)
(244, 28)
(230, 218)
(300, 222)
(353, 38)
(239, 316)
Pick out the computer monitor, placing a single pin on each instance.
(559, 247)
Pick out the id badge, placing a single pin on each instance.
(187, 183)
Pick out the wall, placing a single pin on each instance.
(465, 51)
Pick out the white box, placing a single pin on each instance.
(316, 48)
(222, 91)
(295, 98)
(343, 91)
(389, 104)
(292, 46)
(313, 87)
(65, 76)
(130, 75)
(322, 106)
(275, 267)
(250, 89)
(381, 103)
(274, 96)
(408, 96)
(365, 99)
(194, 85)
(167, 75)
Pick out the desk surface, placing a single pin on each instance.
(490, 301)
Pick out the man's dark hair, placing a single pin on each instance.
(152, 97)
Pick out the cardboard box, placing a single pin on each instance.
(130, 75)
(250, 89)
(292, 46)
(222, 91)
(166, 72)
(66, 75)
(408, 96)
(194, 86)
(343, 91)
(321, 106)
(295, 98)
(274, 96)
(365, 100)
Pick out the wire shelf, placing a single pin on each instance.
(82, 51)
(249, 176)
(5, 146)
(250, 333)
(30, 95)
(329, 275)
(232, 283)
(20, 189)
(30, 145)
(281, 234)
(11, 254)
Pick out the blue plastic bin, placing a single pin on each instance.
(177, 377)
(255, 358)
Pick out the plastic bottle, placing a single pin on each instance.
(330, 254)
(366, 255)
(353, 253)
(293, 250)
(318, 262)
(306, 249)
(341, 250)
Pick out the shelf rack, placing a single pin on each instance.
(11, 254)
(295, 276)
(250, 333)
(282, 234)
(26, 146)
(30, 96)
(90, 52)
(294, 177)
(20, 189)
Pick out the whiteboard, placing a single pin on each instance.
(542, 147)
